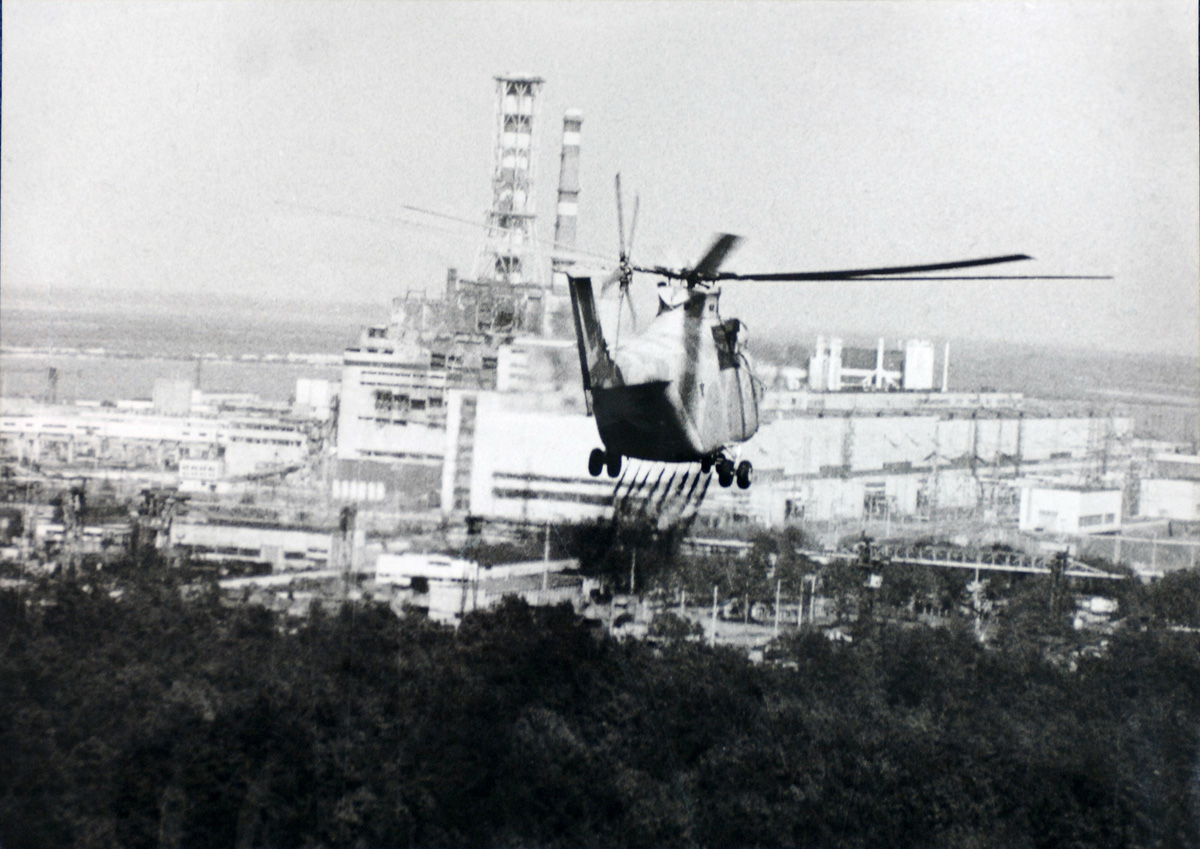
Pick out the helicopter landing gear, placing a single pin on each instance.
(728, 472)
(600, 459)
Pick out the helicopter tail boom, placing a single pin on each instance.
(596, 365)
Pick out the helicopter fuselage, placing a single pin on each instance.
(681, 391)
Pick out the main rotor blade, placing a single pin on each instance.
(616, 274)
(994, 277)
(620, 218)
(707, 267)
(554, 249)
(632, 311)
(851, 274)
(633, 224)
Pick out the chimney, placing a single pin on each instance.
(568, 198)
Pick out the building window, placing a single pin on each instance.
(387, 401)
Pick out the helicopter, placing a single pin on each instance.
(683, 390)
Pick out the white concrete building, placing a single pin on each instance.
(283, 549)
(516, 458)
(834, 367)
(1159, 498)
(104, 435)
(451, 587)
(392, 403)
(1069, 509)
(314, 398)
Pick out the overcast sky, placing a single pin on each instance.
(271, 148)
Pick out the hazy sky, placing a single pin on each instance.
(184, 146)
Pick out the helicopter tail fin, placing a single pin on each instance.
(594, 361)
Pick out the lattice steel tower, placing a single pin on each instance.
(510, 253)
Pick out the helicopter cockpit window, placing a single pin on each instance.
(725, 337)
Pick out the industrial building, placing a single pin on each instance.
(1065, 509)
(495, 331)
(280, 548)
(1170, 489)
(1160, 498)
(834, 367)
(508, 457)
(467, 404)
(116, 438)
(448, 588)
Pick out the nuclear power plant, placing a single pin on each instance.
(644, 424)
(471, 404)
(463, 408)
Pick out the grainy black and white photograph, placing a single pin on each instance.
(736, 424)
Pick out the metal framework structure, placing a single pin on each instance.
(976, 560)
(510, 254)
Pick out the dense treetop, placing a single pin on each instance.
(134, 718)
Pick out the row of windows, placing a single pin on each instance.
(244, 425)
(358, 490)
(423, 374)
(410, 456)
(387, 401)
(1097, 519)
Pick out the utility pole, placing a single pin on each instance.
(976, 589)
(778, 587)
(546, 560)
(347, 527)
(712, 634)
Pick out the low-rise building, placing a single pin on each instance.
(280, 548)
(1162, 498)
(116, 438)
(1064, 509)
(450, 587)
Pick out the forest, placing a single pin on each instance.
(136, 715)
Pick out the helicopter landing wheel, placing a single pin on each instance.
(613, 461)
(725, 472)
(596, 462)
(706, 464)
(745, 474)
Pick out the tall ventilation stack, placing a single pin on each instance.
(509, 253)
(818, 367)
(946, 369)
(834, 373)
(568, 199)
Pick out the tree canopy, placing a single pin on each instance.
(137, 718)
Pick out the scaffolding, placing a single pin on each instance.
(510, 253)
